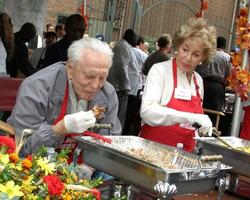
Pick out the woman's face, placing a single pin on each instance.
(89, 74)
(189, 54)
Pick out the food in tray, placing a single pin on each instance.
(98, 111)
(165, 162)
(245, 149)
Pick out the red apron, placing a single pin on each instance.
(171, 135)
(245, 131)
(68, 142)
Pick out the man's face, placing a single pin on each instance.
(89, 74)
(76, 30)
(50, 40)
(60, 33)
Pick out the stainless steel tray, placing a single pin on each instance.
(187, 176)
(238, 160)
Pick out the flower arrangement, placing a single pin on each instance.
(239, 79)
(39, 177)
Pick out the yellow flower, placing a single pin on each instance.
(30, 197)
(11, 189)
(27, 186)
(67, 196)
(47, 167)
(4, 159)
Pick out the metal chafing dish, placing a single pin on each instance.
(237, 159)
(190, 174)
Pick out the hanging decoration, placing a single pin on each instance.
(204, 7)
(239, 79)
(84, 15)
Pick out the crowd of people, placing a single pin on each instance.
(153, 95)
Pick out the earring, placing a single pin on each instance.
(200, 63)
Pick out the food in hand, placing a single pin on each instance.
(98, 111)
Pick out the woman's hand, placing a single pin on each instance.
(206, 125)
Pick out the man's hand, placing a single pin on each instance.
(79, 122)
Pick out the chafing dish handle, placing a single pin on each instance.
(97, 136)
(211, 158)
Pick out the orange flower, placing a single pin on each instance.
(204, 6)
(236, 59)
(239, 78)
(242, 76)
(27, 164)
(47, 197)
(244, 12)
(13, 157)
(242, 22)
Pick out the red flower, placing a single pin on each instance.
(55, 185)
(96, 193)
(8, 142)
(29, 157)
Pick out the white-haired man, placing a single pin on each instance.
(57, 100)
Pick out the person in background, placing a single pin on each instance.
(59, 100)
(49, 27)
(112, 44)
(214, 76)
(172, 97)
(141, 57)
(146, 47)
(164, 44)
(124, 74)
(20, 60)
(74, 30)
(3, 56)
(6, 50)
(6, 42)
(133, 121)
(60, 32)
(37, 56)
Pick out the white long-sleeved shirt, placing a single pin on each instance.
(158, 91)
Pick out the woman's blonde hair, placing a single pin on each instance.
(197, 28)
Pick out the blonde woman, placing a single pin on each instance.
(172, 98)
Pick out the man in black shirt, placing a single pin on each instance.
(74, 29)
(20, 59)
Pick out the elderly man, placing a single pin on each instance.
(58, 100)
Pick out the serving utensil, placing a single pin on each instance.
(215, 135)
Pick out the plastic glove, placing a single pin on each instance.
(205, 123)
(79, 122)
(84, 171)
